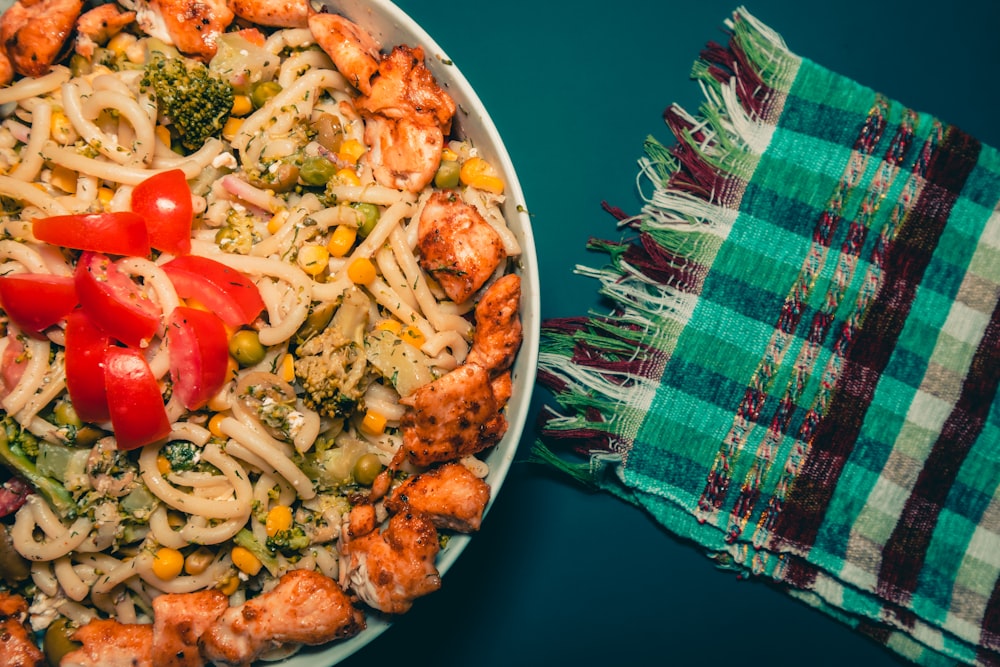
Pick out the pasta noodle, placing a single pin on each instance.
(273, 192)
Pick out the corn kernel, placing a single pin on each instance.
(277, 221)
(60, 129)
(104, 196)
(230, 586)
(313, 259)
(163, 134)
(245, 561)
(342, 240)
(351, 151)
(279, 518)
(448, 154)
(215, 425)
(163, 465)
(220, 401)
(120, 43)
(373, 422)
(242, 105)
(198, 561)
(413, 336)
(231, 127)
(64, 179)
(361, 271)
(232, 367)
(167, 563)
(347, 176)
(286, 371)
(389, 325)
(478, 173)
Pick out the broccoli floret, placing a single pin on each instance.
(196, 101)
(14, 457)
(289, 542)
(332, 366)
(181, 454)
(246, 539)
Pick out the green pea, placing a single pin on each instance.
(57, 642)
(79, 66)
(329, 132)
(366, 469)
(246, 348)
(316, 170)
(262, 91)
(370, 214)
(447, 174)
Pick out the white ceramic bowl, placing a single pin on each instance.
(391, 26)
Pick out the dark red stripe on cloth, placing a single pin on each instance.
(905, 550)
(906, 260)
(989, 641)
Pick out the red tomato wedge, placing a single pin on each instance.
(138, 416)
(86, 346)
(164, 202)
(199, 355)
(114, 301)
(116, 233)
(37, 301)
(223, 290)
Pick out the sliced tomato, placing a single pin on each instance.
(114, 301)
(199, 355)
(138, 416)
(36, 301)
(164, 202)
(223, 290)
(115, 233)
(86, 346)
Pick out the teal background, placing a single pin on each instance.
(558, 576)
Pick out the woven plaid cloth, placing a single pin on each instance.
(800, 369)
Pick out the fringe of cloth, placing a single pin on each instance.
(604, 369)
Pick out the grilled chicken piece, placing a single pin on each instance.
(404, 154)
(180, 619)
(275, 13)
(34, 33)
(108, 643)
(498, 332)
(457, 246)
(450, 496)
(352, 49)
(191, 25)
(17, 646)
(361, 520)
(97, 26)
(6, 76)
(304, 608)
(453, 416)
(405, 88)
(388, 569)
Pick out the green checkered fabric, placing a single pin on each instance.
(800, 372)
